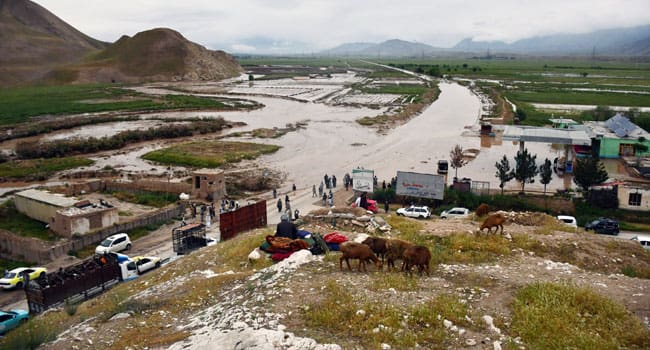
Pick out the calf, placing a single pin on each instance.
(378, 246)
(354, 250)
(419, 256)
(494, 220)
(395, 250)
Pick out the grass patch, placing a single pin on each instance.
(209, 154)
(151, 199)
(40, 169)
(17, 105)
(20, 224)
(558, 316)
(397, 281)
(337, 315)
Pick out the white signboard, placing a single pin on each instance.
(362, 180)
(420, 185)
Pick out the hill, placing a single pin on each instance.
(540, 286)
(388, 48)
(159, 54)
(33, 41)
(633, 41)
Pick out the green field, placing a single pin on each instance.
(209, 154)
(37, 169)
(17, 105)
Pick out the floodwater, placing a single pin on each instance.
(333, 143)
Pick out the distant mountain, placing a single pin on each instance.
(33, 41)
(389, 48)
(349, 48)
(154, 55)
(633, 41)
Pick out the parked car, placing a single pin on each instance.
(146, 263)
(643, 240)
(455, 213)
(12, 319)
(113, 244)
(443, 167)
(415, 212)
(14, 278)
(568, 220)
(603, 226)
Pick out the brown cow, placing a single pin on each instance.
(482, 210)
(494, 220)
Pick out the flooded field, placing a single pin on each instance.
(333, 142)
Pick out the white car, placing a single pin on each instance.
(146, 263)
(643, 240)
(455, 213)
(113, 244)
(568, 220)
(415, 212)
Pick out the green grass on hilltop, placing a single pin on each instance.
(558, 316)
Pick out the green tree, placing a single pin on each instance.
(456, 158)
(525, 168)
(588, 172)
(546, 173)
(504, 172)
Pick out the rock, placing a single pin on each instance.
(496, 345)
(470, 342)
(379, 220)
(364, 218)
(361, 312)
(357, 223)
(489, 321)
(120, 316)
(447, 323)
(256, 254)
(385, 346)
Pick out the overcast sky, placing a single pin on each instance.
(283, 26)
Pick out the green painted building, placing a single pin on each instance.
(617, 137)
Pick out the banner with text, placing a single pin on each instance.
(420, 185)
(362, 180)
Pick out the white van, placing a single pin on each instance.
(643, 240)
(113, 244)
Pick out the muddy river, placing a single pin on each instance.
(334, 143)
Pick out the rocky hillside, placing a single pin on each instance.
(33, 41)
(539, 286)
(155, 55)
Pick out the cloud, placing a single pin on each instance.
(320, 24)
(242, 48)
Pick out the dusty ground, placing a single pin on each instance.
(275, 300)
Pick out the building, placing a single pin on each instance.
(84, 217)
(41, 205)
(209, 185)
(65, 216)
(634, 197)
(617, 138)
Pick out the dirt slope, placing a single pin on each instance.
(159, 54)
(33, 41)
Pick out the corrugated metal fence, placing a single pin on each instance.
(243, 219)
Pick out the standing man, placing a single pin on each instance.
(275, 193)
(279, 205)
(386, 205)
(333, 180)
(313, 191)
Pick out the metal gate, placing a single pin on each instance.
(243, 219)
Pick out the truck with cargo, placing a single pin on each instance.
(79, 282)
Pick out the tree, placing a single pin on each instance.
(504, 172)
(525, 168)
(545, 172)
(588, 172)
(456, 158)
